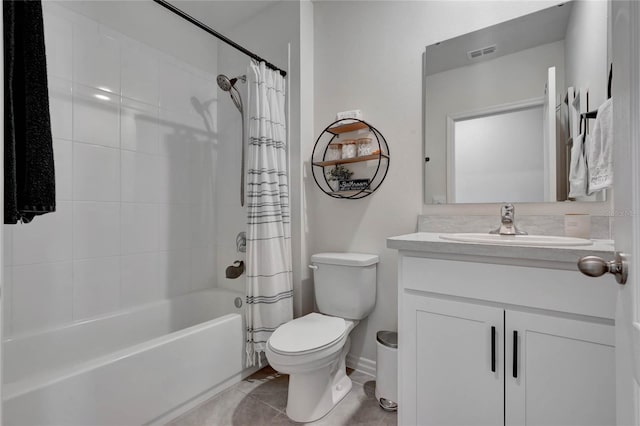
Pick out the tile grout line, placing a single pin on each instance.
(263, 403)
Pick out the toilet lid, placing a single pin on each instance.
(306, 333)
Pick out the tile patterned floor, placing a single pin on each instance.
(260, 400)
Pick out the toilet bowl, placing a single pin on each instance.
(312, 349)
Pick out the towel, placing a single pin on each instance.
(578, 168)
(29, 180)
(600, 150)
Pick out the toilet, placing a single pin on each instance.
(312, 349)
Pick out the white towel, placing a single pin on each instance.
(600, 150)
(578, 168)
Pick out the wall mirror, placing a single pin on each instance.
(501, 105)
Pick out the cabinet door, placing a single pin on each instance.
(564, 371)
(446, 363)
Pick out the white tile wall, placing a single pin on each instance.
(203, 267)
(173, 180)
(58, 32)
(202, 235)
(96, 286)
(41, 296)
(7, 246)
(175, 271)
(46, 239)
(174, 84)
(96, 57)
(96, 173)
(140, 228)
(61, 108)
(96, 116)
(130, 181)
(63, 160)
(174, 127)
(140, 177)
(140, 74)
(140, 281)
(175, 222)
(96, 229)
(7, 296)
(139, 126)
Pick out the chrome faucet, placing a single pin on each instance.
(507, 222)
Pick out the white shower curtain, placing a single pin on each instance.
(269, 283)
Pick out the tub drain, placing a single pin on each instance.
(238, 302)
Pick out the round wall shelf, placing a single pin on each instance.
(354, 177)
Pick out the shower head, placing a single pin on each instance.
(226, 84)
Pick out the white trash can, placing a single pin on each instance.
(387, 370)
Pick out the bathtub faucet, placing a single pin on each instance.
(235, 270)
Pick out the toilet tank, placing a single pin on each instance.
(345, 283)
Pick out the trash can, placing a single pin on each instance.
(387, 370)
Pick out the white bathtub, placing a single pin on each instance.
(130, 368)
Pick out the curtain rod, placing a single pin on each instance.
(216, 34)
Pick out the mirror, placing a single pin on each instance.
(503, 103)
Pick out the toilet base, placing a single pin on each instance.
(312, 395)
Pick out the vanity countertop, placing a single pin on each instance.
(431, 245)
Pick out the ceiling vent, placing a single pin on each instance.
(475, 54)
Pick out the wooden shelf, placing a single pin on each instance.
(374, 173)
(346, 128)
(349, 160)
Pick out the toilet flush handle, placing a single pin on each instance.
(313, 267)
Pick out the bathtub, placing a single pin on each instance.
(130, 368)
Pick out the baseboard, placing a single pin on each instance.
(363, 365)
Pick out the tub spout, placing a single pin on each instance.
(235, 270)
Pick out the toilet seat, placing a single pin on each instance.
(307, 334)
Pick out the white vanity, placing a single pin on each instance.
(499, 334)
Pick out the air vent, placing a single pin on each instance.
(475, 54)
(489, 49)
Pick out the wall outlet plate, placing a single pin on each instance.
(355, 113)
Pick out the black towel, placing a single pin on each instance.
(29, 178)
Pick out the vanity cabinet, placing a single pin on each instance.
(503, 341)
(563, 372)
(466, 373)
(451, 354)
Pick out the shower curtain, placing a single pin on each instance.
(269, 284)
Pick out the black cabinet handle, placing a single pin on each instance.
(493, 349)
(515, 354)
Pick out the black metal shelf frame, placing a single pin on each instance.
(382, 167)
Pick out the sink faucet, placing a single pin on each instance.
(507, 222)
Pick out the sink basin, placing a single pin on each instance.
(517, 240)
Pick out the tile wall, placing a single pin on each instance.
(135, 153)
